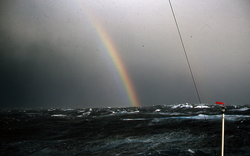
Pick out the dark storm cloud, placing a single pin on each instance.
(43, 66)
(46, 77)
(52, 56)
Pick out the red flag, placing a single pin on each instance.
(220, 103)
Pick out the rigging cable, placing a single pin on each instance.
(185, 53)
(189, 66)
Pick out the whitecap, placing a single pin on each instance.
(86, 113)
(240, 109)
(202, 106)
(191, 151)
(67, 109)
(186, 105)
(58, 115)
(136, 119)
(157, 110)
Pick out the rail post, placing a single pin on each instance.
(223, 126)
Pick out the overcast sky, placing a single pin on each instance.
(52, 55)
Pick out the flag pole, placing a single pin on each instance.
(223, 126)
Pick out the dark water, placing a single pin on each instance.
(171, 130)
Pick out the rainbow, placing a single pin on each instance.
(113, 53)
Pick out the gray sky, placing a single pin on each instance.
(51, 53)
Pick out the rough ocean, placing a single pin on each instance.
(170, 130)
